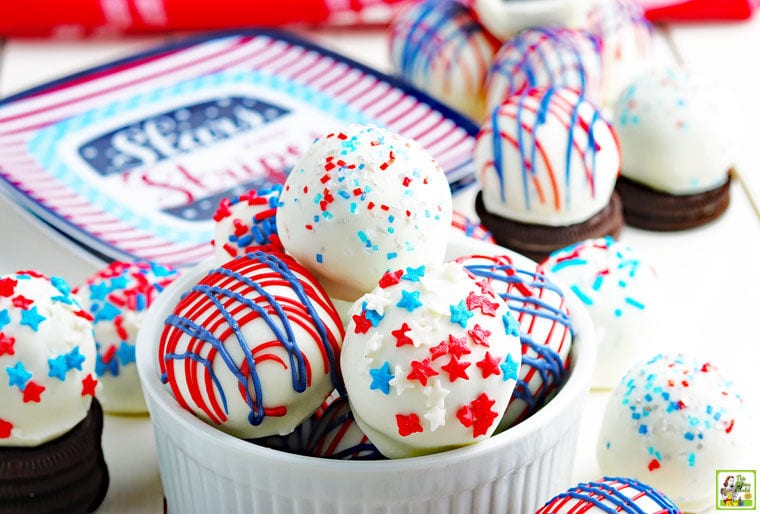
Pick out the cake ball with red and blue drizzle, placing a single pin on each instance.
(439, 47)
(623, 296)
(611, 495)
(430, 360)
(51, 458)
(118, 297)
(360, 202)
(334, 434)
(546, 330)
(253, 347)
(546, 163)
(244, 222)
(546, 57)
(671, 422)
(626, 41)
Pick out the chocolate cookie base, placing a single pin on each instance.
(645, 208)
(67, 474)
(538, 241)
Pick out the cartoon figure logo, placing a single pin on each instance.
(735, 490)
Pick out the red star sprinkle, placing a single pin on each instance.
(458, 346)
(88, 385)
(488, 308)
(408, 424)
(7, 285)
(489, 365)
(479, 335)
(5, 429)
(6, 344)
(653, 464)
(22, 302)
(456, 369)
(485, 286)
(390, 278)
(439, 350)
(32, 392)
(223, 210)
(401, 337)
(362, 323)
(421, 371)
(478, 415)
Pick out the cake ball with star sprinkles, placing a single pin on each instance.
(47, 412)
(118, 298)
(623, 295)
(671, 422)
(361, 202)
(430, 359)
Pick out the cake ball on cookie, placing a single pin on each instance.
(547, 162)
(505, 19)
(437, 46)
(626, 41)
(677, 137)
(118, 297)
(361, 202)
(623, 296)
(244, 222)
(253, 347)
(546, 330)
(546, 57)
(610, 495)
(430, 359)
(50, 424)
(671, 422)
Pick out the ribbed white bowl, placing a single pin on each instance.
(205, 470)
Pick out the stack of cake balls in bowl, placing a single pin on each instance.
(347, 352)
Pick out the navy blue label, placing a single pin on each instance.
(177, 132)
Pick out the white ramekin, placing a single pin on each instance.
(205, 470)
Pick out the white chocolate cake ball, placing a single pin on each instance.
(505, 18)
(672, 422)
(626, 41)
(623, 296)
(253, 347)
(610, 496)
(118, 298)
(430, 359)
(245, 222)
(437, 46)
(47, 359)
(546, 157)
(676, 134)
(546, 57)
(362, 202)
(546, 330)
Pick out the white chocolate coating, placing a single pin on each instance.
(252, 348)
(504, 19)
(544, 57)
(47, 359)
(546, 332)
(672, 422)
(430, 360)
(361, 202)
(559, 168)
(438, 46)
(676, 134)
(627, 46)
(623, 296)
(118, 298)
(610, 496)
(244, 222)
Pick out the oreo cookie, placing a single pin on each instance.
(538, 241)
(646, 208)
(68, 474)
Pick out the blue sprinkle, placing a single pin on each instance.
(319, 258)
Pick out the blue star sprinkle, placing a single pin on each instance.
(381, 378)
(126, 353)
(58, 367)
(414, 274)
(511, 325)
(74, 359)
(18, 376)
(460, 314)
(31, 318)
(410, 300)
(509, 368)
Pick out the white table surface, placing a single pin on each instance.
(710, 274)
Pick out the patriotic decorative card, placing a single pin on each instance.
(131, 159)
